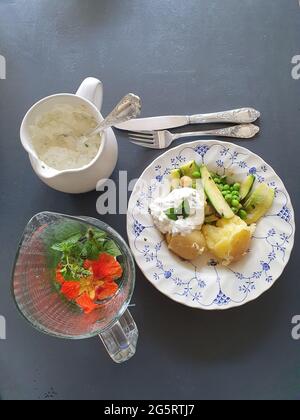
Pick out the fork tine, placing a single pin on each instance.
(142, 144)
(149, 132)
(141, 134)
(143, 141)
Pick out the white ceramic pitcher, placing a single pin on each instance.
(85, 179)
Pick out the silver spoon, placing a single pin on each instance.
(128, 108)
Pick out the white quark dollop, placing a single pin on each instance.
(57, 137)
(161, 205)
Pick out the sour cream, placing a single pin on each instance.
(58, 137)
(174, 200)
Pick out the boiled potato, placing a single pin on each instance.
(188, 247)
(229, 240)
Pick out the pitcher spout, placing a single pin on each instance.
(42, 170)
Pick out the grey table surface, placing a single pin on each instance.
(180, 56)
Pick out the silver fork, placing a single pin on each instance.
(163, 139)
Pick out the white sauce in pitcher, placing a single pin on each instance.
(57, 137)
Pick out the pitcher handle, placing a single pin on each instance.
(92, 90)
(121, 339)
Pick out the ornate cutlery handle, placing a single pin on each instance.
(238, 116)
(128, 108)
(245, 131)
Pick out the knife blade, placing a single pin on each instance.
(237, 116)
(155, 123)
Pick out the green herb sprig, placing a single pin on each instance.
(80, 247)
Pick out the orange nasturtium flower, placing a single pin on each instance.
(107, 290)
(100, 285)
(86, 303)
(105, 268)
(71, 289)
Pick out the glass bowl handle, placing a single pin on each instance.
(121, 339)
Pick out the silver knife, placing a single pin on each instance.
(238, 116)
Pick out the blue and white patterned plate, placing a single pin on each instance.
(204, 283)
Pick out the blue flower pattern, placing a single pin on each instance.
(138, 228)
(201, 150)
(285, 214)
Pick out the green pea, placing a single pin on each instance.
(243, 214)
(226, 187)
(235, 196)
(217, 180)
(235, 210)
(235, 203)
(224, 193)
(220, 186)
(237, 187)
(196, 175)
(228, 198)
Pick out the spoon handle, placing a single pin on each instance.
(128, 108)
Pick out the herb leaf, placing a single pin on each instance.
(111, 248)
(171, 214)
(68, 244)
(184, 210)
(90, 250)
(98, 234)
